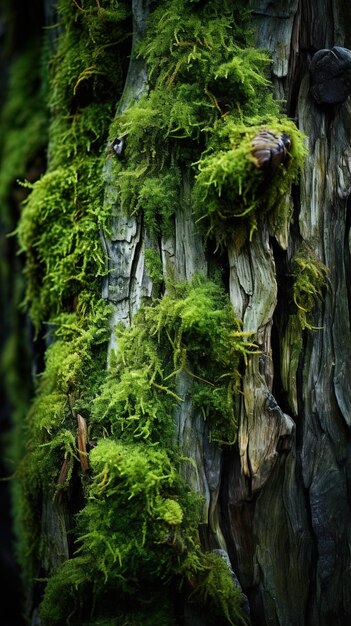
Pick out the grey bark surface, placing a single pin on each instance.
(277, 502)
(290, 518)
(127, 283)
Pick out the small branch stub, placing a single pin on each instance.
(82, 443)
(270, 150)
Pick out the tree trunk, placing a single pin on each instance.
(283, 491)
(274, 502)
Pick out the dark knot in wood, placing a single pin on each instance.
(270, 150)
(330, 72)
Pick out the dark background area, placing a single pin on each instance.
(20, 23)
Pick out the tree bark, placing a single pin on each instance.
(276, 503)
(279, 501)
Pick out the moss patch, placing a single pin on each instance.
(209, 96)
(137, 527)
(61, 221)
(310, 277)
(192, 329)
(59, 234)
(309, 282)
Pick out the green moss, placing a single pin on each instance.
(229, 185)
(62, 219)
(310, 278)
(154, 267)
(209, 96)
(309, 282)
(59, 231)
(137, 529)
(217, 591)
(140, 480)
(192, 329)
(72, 594)
(135, 468)
(74, 372)
(153, 543)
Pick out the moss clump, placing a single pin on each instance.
(142, 482)
(74, 372)
(59, 232)
(230, 186)
(138, 532)
(139, 526)
(310, 278)
(209, 96)
(192, 329)
(216, 589)
(61, 221)
(309, 281)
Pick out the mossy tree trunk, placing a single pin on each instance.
(277, 501)
(290, 525)
(268, 452)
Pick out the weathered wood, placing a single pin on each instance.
(126, 283)
(276, 504)
(277, 501)
(300, 506)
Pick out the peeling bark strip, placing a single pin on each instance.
(64, 471)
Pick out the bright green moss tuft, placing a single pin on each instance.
(136, 532)
(193, 330)
(310, 277)
(137, 480)
(59, 231)
(209, 96)
(60, 227)
(230, 186)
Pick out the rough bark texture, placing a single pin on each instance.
(278, 501)
(303, 509)
(127, 284)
